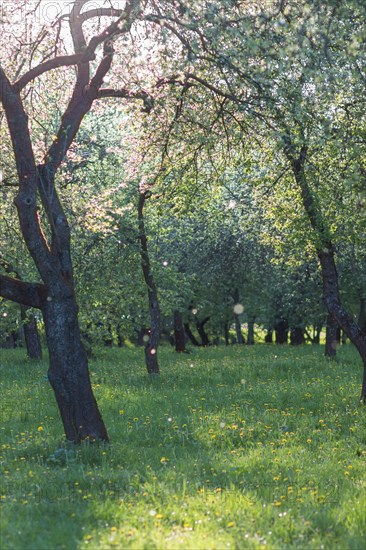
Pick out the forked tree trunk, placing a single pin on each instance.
(200, 325)
(190, 335)
(68, 371)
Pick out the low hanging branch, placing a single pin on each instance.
(28, 294)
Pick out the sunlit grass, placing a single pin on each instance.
(228, 448)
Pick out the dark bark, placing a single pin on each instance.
(239, 334)
(190, 335)
(325, 252)
(331, 340)
(268, 339)
(226, 333)
(28, 294)
(120, 339)
(316, 333)
(200, 325)
(362, 315)
(151, 345)
(23, 293)
(179, 334)
(313, 338)
(68, 372)
(250, 339)
(281, 331)
(10, 340)
(31, 334)
(142, 335)
(297, 336)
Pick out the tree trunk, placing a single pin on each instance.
(201, 331)
(120, 339)
(10, 340)
(362, 315)
(250, 340)
(331, 341)
(325, 252)
(281, 330)
(68, 371)
(316, 332)
(297, 337)
(339, 313)
(239, 334)
(226, 333)
(151, 345)
(268, 339)
(31, 334)
(179, 334)
(190, 335)
(50, 250)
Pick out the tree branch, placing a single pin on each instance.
(99, 12)
(85, 92)
(147, 99)
(28, 294)
(26, 200)
(60, 61)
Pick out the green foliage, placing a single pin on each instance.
(258, 446)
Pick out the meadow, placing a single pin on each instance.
(240, 447)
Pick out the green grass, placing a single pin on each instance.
(261, 447)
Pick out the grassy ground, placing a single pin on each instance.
(261, 447)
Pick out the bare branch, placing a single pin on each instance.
(99, 12)
(60, 61)
(147, 99)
